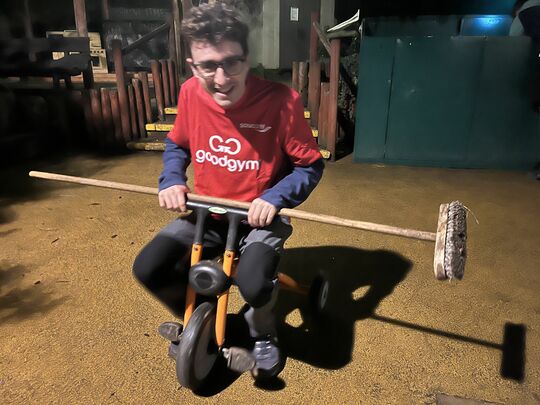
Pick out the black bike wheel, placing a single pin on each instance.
(197, 350)
(318, 295)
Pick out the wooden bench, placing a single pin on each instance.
(25, 57)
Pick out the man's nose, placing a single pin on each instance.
(220, 77)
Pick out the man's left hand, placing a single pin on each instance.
(261, 213)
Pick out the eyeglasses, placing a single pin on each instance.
(231, 66)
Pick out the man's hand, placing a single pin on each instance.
(174, 198)
(261, 213)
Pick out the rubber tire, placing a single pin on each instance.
(318, 295)
(197, 351)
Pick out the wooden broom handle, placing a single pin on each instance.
(293, 213)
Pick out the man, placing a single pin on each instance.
(247, 140)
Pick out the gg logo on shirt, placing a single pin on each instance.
(230, 147)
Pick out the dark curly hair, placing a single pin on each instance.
(215, 22)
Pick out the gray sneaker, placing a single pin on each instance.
(269, 361)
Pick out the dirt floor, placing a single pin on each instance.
(76, 328)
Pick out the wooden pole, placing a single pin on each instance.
(323, 115)
(294, 79)
(302, 80)
(333, 101)
(314, 92)
(121, 84)
(158, 88)
(105, 11)
(293, 213)
(28, 30)
(132, 112)
(108, 126)
(172, 81)
(143, 77)
(165, 82)
(177, 24)
(139, 102)
(97, 116)
(79, 8)
(116, 117)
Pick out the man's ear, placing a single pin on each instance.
(193, 69)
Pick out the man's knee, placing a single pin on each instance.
(256, 273)
(161, 255)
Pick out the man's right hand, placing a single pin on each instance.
(174, 198)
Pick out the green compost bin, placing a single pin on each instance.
(447, 101)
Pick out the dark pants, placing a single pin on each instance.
(162, 265)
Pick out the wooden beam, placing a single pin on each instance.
(342, 34)
(177, 25)
(79, 8)
(132, 112)
(97, 116)
(107, 132)
(172, 81)
(116, 116)
(294, 79)
(313, 38)
(302, 80)
(322, 36)
(165, 82)
(314, 92)
(335, 45)
(145, 38)
(158, 88)
(143, 77)
(105, 11)
(323, 115)
(139, 102)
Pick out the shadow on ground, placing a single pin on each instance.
(18, 302)
(347, 269)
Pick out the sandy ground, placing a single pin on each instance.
(75, 328)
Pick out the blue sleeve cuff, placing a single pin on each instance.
(296, 187)
(175, 161)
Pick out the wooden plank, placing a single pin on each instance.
(117, 120)
(158, 87)
(105, 10)
(156, 127)
(143, 77)
(314, 91)
(148, 146)
(335, 45)
(132, 112)
(121, 85)
(307, 114)
(139, 102)
(171, 110)
(79, 8)
(302, 80)
(165, 81)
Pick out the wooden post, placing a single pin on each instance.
(116, 117)
(97, 116)
(79, 8)
(28, 30)
(107, 129)
(139, 102)
(332, 104)
(177, 24)
(165, 82)
(294, 79)
(323, 115)
(172, 81)
(302, 80)
(132, 112)
(176, 82)
(158, 88)
(314, 92)
(121, 84)
(105, 12)
(143, 77)
(313, 38)
(87, 108)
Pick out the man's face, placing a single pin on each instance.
(221, 69)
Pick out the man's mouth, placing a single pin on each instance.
(223, 91)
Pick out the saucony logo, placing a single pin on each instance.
(257, 127)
